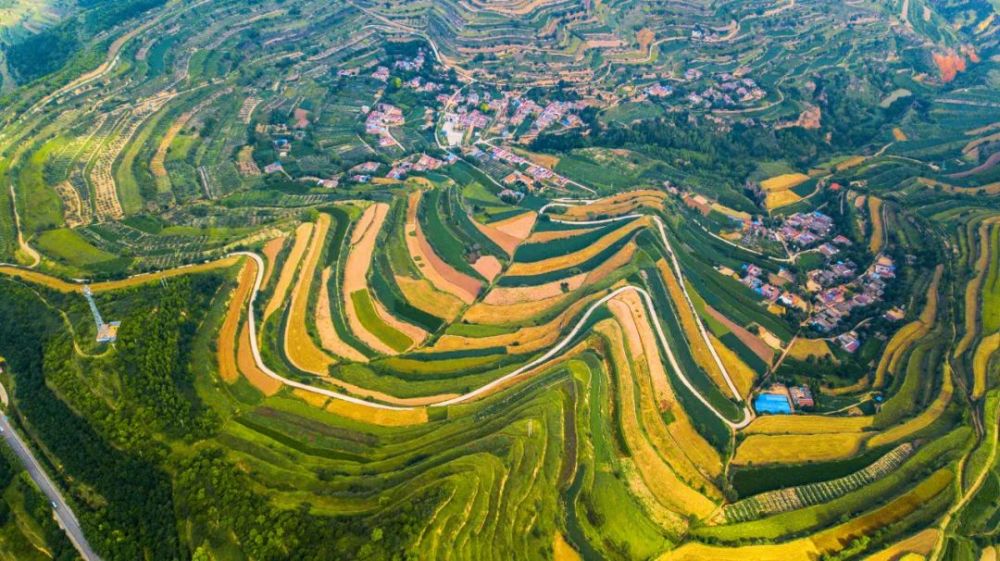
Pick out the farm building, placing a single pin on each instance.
(775, 401)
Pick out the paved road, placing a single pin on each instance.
(63, 513)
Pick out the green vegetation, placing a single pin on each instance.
(369, 319)
(27, 529)
(147, 136)
(68, 246)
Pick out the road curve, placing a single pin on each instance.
(64, 515)
(748, 413)
(36, 258)
(553, 351)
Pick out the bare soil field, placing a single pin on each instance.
(616, 262)
(519, 226)
(655, 476)
(271, 250)
(507, 242)
(226, 350)
(300, 348)
(288, 270)
(687, 443)
(507, 295)
(328, 336)
(488, 266)
(440, 274)
(754, 343)
(422, 294)
(689, 323)
(359, 260)
(257, 377)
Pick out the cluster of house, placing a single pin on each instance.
(727, 91)
(837, 287)
(379, 120)
(362, 173)
(365, 171)
(754, 278)
(463, 119)
(834, 303)
(422, 163)
(659, 90)
(801, 396)
(411, 64)
(557, 112)
(805, 229)
(465, 114)
(526, 172)
(417, 83)
(383, 74)
(509, 112)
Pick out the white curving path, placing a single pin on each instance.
(561, 345)
(677, 271)
(552, 352)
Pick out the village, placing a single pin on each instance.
(822, 285)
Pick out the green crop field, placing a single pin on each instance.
(441, 279)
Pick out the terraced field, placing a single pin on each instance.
(616, 337)
(506, 279)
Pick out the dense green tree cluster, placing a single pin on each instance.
(701, 152)
(130, 497)
(129, 514)
(48, 51)
(35, 506)
(155, 344)
(7, 473)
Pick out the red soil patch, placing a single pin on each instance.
(645, 36)
(506, 242)
(226, 353)
(949, 65)
(244, 358)
(488, 266)
(990, 162)
(970, 51)
(518, 226)
(754, 343)
(442, 275)
(468, 285)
